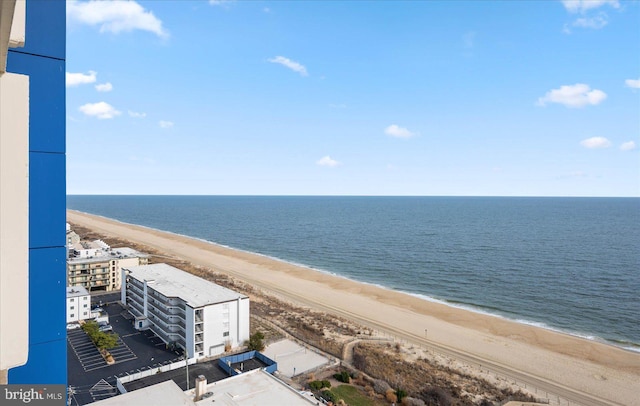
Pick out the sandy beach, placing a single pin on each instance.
(604, 372)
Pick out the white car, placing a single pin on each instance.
(105, 328)
(73, 326)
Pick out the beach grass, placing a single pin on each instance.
(352, 396)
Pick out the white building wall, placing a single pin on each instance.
(190, 327)
(116, 269)
(244, 319)
(213, 330)
(78, 308)
(226, 324)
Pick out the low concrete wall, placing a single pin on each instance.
(143, 374)
(225, 362)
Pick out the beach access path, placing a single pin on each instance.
(579, 370)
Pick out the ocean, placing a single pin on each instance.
(566, 264)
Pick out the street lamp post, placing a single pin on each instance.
(425, 333)
(186, 359)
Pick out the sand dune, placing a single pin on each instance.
(557, 361)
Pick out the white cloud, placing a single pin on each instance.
(628, 146)
(293, 65)
(75, 79)
(327, 161)
(136, 114)
(580, 6)
(104, 87)
(595, 142)
(595, 23)
(100, 110)
(165, 124)
(633, 83)
(115, 16)
(398, 132)
(578, 95)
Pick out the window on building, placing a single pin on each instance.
(72, 307)
(73, 300)
(86, 305)
(72, 315)
(225, 334)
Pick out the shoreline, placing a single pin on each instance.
(602, 370)
(630, 346)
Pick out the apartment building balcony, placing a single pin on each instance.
(199, 328)
(166, 320)
(166, 301)
(199, 338)
(138, 291)
(133, 296)
(136, 307)
(198, 316)
(167, 332)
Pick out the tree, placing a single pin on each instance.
(100, 339)
(106, 341)
(255, 341)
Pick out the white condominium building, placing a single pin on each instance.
(78, 304)
(184, 310)
(97, 267)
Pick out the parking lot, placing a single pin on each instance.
(90, 377)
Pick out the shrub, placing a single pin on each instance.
(328, 396)
(317, 385)
(391, 396)
(381, 387)
(437, 396)
(255, 341)
(409, 401)
(342, 377)
(401, 394)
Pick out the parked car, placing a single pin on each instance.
(106, 328)
(73, 326)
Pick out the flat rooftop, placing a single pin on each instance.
(256, 387)
(294, 359)
(251, 388)
(75, 291)
(165, 393)
(174, 282)
(104, 255)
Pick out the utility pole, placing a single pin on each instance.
(70, 393)
(186, 357)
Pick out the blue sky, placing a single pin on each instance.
(478, 98)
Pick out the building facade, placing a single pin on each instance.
(100, 268)
(78, 304)
(42, 60)
(185, 311)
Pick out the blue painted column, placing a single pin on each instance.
(43, 60)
